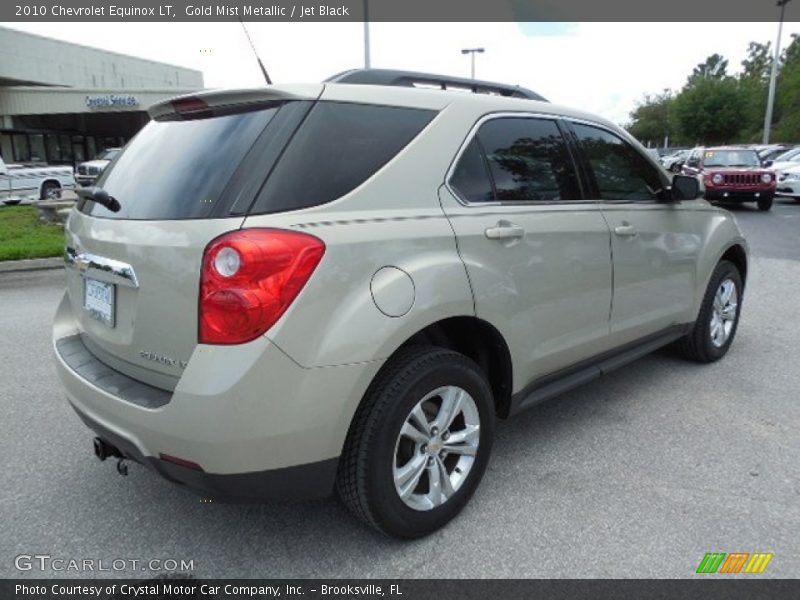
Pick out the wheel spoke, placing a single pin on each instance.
(410, 431)
(464, 449)
(729, 312)
(726, 290)
(451, 406)
(407, 477)
(421, 419)
(435, 494)
(444, 476)
(469, 435)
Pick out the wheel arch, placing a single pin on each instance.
(480, 341)
(56, 182)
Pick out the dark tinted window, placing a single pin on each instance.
(528, 160)
(620, 171)
(179, 169)
(338, 147)
(471, 175)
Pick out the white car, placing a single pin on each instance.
(787, 160)
(789, 182)
(19, 183)
(88, 172)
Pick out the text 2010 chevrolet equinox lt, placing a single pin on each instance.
(290, 290)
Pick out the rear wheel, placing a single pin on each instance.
(50, 190)
(419, 444)
(764, 203)
(715, 328)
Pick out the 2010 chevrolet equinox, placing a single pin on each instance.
(295, 289)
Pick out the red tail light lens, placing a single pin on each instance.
(249, 279)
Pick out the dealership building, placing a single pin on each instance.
(63, 103)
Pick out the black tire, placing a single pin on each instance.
(697, 345)
(49, 187)
(365, 481)
(764, 203)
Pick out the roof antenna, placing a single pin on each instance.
(260, 64)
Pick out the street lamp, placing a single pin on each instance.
(366, 35)
(473, 51)
(773, 76)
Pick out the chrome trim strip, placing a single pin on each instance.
(101, 268)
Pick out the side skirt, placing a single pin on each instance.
(572, 377)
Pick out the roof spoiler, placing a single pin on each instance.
(392, 77)
(220, 100)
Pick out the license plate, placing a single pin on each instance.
(98, 300)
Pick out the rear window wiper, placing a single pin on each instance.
(100, 196)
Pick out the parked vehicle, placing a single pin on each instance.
(674, 161)
(789, 182)
(344, 285)
(732, 174)
(19, 183)
(771, 151)
(87, 173)
(785, 160)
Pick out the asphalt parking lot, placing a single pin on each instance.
(637, 475)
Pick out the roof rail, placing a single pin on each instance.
(411, 79)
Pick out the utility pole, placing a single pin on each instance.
(472, 52)
(366, 35)
(774, 75)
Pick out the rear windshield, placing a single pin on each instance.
(179, 169)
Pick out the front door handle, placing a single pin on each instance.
(504, 230)
(625, 230)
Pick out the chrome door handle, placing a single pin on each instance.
(625, 230)
(505, 231)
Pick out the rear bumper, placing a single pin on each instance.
(258, 424)
(312, 480)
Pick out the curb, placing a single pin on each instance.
(31, 264)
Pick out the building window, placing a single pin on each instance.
(22, 150)
(38, 153)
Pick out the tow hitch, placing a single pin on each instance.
(104, 450)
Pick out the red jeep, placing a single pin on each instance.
(732, 174)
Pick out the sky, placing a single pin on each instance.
(604, 68)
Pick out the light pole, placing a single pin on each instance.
(366, 35)
(774, 74)
(472, 52)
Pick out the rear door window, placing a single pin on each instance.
(338, 147)
(517, 159)
(179, 169)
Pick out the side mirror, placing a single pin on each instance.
(768, 163)
(684, 187)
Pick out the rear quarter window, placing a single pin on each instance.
(338, 147)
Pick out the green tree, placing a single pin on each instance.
(754, 81)
(652, 120)
(710, 110)
(714, 67)
(787, 97)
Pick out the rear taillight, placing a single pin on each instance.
(249, 279)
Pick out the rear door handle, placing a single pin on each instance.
(625, 230)
(505, 231)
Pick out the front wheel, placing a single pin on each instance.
(419, 444)
(764, 203)
(715, 328)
